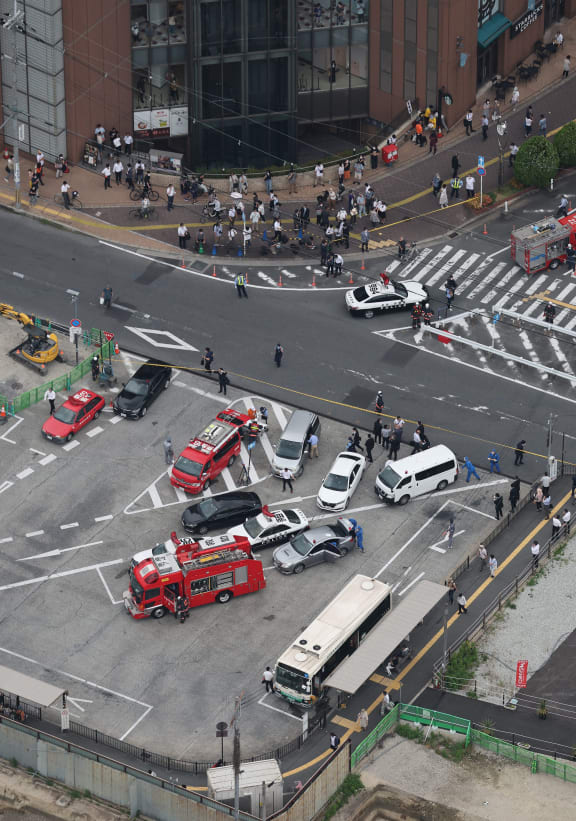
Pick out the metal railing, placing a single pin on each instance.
(536, 761)
(367, 744)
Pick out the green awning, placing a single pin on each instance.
(492, 29)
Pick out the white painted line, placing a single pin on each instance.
(408, 586)
(228, 480)
(536, 285)
(267, 447)
(6, 540)
(104, 518)
(463, 284)
(115, 419)
(61, 575)
(445, 269)
(155, 495)
(410, 540)
(509, 295)
(136, 723)
(280, 415)
(487, 279)
(39, 452)
(473, 510)
(94, 431)
(214, 396)
(47, 459)
(6, 485)
(51, 553)
(436, 548)
(17, 421)
(181, 494)
(71, 445)
(245, 458)
(68, 526)
(489, 298)
(24, 473)
(277, 709)
(432, 264)
(106, 588)
(34, 533)
(153, 337)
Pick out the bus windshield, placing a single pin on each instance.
(389, 477)
(289, 677)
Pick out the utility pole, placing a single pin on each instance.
(14, 24)
(445, 643)
(236, 755)
(501, 131)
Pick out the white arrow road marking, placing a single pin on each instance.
(75, 701)
(439, 549)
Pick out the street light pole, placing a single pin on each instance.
(501, 131)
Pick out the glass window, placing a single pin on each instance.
(231, 27)
(278, 23)
(257, 25)
(257, 86)
(210, 27)
(231, 88)
(278, 72)
(386, 24)
(410, 41)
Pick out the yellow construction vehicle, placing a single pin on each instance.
(40, 348)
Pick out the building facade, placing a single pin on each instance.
(251, 83)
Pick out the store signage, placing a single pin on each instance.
(526, 20)
(161, 122)
(522, 673)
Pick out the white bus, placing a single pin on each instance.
(330, 639)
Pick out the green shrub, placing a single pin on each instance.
(461, 666)
(349, 787)
(536, 162)
(408, 731)
(565, 145)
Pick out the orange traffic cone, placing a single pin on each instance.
(362, 267)
(313, 280)
(183, 263)
(213, 270)
(280, 280)
(485, 231)
(3, 414)
(116, 348)
(246, 278)
(350, 281)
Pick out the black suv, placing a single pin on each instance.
(222, 511)
(147, 383)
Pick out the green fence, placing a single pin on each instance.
(59, 383)
(443, 721)
(538, 762)
(387, 724)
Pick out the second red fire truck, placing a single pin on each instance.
(194, 575)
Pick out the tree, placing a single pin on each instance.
(565, 145)
(536, 163)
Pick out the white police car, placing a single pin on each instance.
(271, 527)
(377, 297)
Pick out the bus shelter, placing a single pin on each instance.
(29, 689)
(386, 637)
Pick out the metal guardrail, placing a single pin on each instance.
(540, 323)
(536, 761)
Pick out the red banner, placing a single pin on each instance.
(521, 673)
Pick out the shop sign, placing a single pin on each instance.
(526, 20)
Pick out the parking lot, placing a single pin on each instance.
(75, 514)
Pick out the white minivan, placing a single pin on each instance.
(432, 469)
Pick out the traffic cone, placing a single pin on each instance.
(3, 416)
(213, 250)
(246, 278)
(362, 267)
(313, 280)
(183, 263)
(279, 280)
(116, 349)
(213, 270)
(485, 231)
(350, 281)
(239, 252)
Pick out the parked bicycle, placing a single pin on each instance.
(208, 212)
(75, 201)
(140, 192)
(142, 212)
(411, 254)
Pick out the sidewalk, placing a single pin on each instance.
(412, 211)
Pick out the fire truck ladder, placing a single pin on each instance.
(214, 557)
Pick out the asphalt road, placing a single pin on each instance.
(328, 355)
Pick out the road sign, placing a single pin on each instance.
(480, 161)
(75, 323)
(481, 171)
(521, 674)
(64, 719)
(409, 106)
(109, 335)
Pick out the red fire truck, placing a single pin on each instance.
(195, 575)
(215, 448)
(543, 244)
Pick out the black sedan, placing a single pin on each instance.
(148, 382)
(223, 511)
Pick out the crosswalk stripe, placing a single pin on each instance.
(228, 480)
(489, 298)
(461, 271)
(511, 291)
(536, 285)
(392, 266)
(409, 267)
(432, 264)
(446, 268)
(486, 279)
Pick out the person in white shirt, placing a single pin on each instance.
(183, 235)
(65, 191)
(118, 168)
(128, 143)
(145, 208)
(287, 479)
(255, 219)
(566, 516)
(470, 186)
(267, 679)
(493, 565)
(535, 550)
(50, 396)
(106, 173)
(277, 230)
(318, 174)
(170, 194)
(139, 168)
(247, 236)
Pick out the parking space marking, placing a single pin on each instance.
(71, 445)
(267, 447)
(280, 415)
(35, 533)
(473, 509)
(106, 588)
(6, 485)
(69, 525)
(94, 431)
(6, 540)
(47, 459)
(181, 494)
(115, 419)
(104, 518)
(277, 709)
(410, 540)
(408, 586)
(60, 575)
(58, 552)
(39, 452)
(17, 421)
(24, 473)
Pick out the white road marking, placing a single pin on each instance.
(17, 421)
(24, 473)
(6, 485)
(60, 575)
(267, 447)
(486, 280)
(245, 458)
(488, 298)
(115, 419)
(408, 586)
(432, 264)
(35, 533)
(214, 396)
(71, 445)
(280, 415)
(277, 709)
(445, 269)
(39, 452)
(154, 338)
(56, 552)
(94, 432)
(75, 701)
(69, 525)
(104, 518)
(6, 540)
(47, 459)
(136, 723)
(410, 540)
(444, 540)
(154, 495)
(106, 588)
(228, 480)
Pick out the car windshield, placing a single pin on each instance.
(360, 294)
(301, 544)
(66, 415)
(288, 450)
(207, 508)
(159, 550)
(389, 477)
(400, 289)
(292, 517)
(136, 387)
(185, 465)
(253, 527)
(334, 481)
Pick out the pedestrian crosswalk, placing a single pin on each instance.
(486, 285)
(160, 493)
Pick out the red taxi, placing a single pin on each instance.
(76, 412)
(213, 449)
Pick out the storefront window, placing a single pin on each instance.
(332, 13)
(159, 86)
(221, 90)
(157, 23)
(486, 9)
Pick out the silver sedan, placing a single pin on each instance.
(321, 544)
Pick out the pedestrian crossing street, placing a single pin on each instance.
(494, 284)
(160, 493)
(491, 341)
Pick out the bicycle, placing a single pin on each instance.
(142, 213)
(138, 194)
(411, 254)
(211, 214)
(75, 201)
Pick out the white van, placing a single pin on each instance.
(432, 469)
